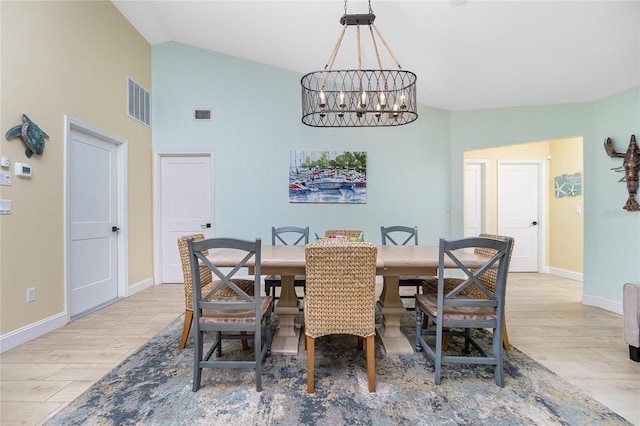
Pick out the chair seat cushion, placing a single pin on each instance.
(234, 315)
(429, 302)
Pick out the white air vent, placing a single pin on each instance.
(202, 114)
(139, 101)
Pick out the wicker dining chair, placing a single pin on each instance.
(456, 309)
(205, 279)
(351, 233)
(430, 285)
(340, 297)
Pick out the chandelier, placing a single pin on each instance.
(359, 97)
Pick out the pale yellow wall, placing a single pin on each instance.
(566, 225)
(68, 58)
(564, 233)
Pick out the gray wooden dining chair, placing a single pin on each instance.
(331, 268)
(455, 309)
(205, 283)
(403, 235)
(286, 235)
(238, 316)
(430, 284)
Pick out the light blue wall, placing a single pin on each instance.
(612, 235)
(256, 123)
(414, 171)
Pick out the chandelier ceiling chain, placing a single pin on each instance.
(359, 97)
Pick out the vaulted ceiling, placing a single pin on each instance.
(467, 54)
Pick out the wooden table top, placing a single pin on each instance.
(391, 259)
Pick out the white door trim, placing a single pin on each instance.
(157, 203)
(122, 208)
(486, 205)
(543, 193)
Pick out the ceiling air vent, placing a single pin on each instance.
(139, 102)
(202, 114)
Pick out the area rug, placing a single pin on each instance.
(153, 387)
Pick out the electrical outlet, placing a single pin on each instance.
(5, 206)
(31, 295)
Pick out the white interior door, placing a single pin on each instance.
(475, 205)
(186, 206)
(519, 211)
(92, 216)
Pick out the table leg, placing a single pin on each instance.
(286, 338)
(390, 304)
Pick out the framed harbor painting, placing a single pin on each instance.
(328, 177)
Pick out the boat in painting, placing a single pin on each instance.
(327, 177)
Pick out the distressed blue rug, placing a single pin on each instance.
(153, 387)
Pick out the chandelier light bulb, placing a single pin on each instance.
(363, 99)
(395, 111)
(383, 100)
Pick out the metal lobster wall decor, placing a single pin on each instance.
(630, 167)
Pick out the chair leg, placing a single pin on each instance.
(197, 355)
(445, 339)
(419, 316)
(188, 317)
(360, 343)
(371, 363)
(505, 336)
(498, 355)
(257, 353)
(219, 340)
(310, 344)
(245, 345)
(438, 353)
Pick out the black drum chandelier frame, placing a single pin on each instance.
(360, 97)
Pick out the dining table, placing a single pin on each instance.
(392, 262)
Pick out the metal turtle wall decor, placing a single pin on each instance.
(32, 136)
(630, 167)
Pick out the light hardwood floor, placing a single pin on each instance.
(544, 316)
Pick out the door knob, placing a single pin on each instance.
(534, 223)
(208, 225)
(114, 229)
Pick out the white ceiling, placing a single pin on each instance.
(467, 55)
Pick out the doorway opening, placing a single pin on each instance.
(560, 224)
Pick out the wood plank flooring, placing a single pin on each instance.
(545, 320)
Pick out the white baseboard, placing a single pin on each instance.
(139, 286)
(602, 303)
(23, 335)
(572, 275)
(598, 302)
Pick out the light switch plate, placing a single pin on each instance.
(5, 162)
(5, 178)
